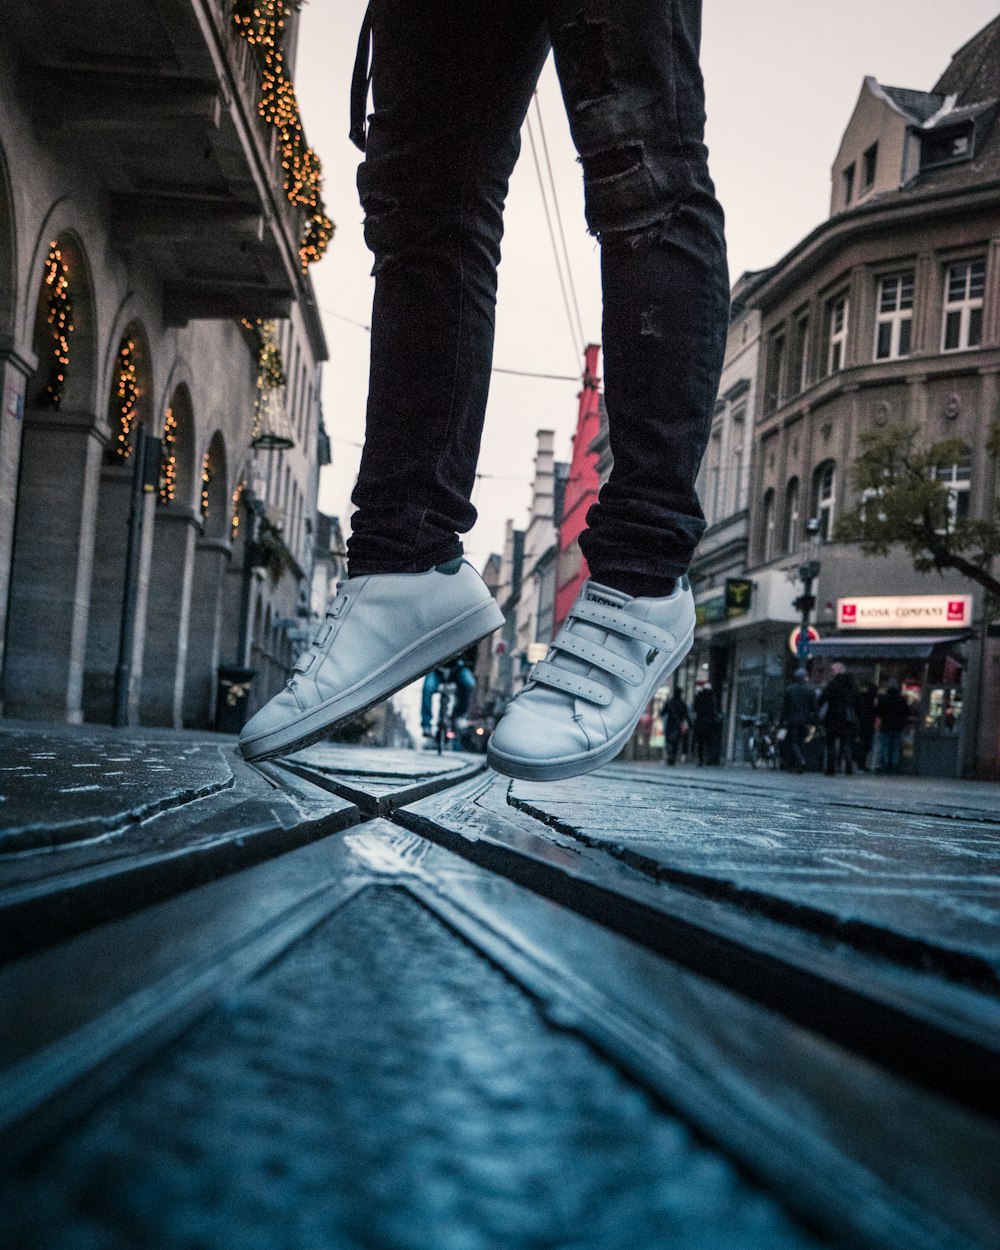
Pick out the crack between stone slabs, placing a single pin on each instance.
(968, 970)
(372, 806)
(51, 837)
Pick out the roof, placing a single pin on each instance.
(919, 106)
(974, 72)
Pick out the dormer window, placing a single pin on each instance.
(869, 162)
(947, 146)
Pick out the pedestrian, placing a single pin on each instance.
(706, 725)
(461, 672)
(863, 743)
(838, 708)
(676, 723)
(893, 712)
(798, 714)
(451, 84)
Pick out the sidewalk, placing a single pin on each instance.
(394, 1001)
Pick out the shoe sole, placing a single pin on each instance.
(523, 768)
(442, 645)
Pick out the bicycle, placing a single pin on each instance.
(761, 747)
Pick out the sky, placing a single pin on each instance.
(782, 78)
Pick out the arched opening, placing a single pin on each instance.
(824, 500)
(125, 522)
(767, 523)
(213, 547)
(58, 467)
(178, 524)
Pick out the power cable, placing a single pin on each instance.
(559, 221)
(577, 343)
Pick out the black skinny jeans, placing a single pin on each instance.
(452, 81)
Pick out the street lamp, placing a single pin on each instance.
(808, 572)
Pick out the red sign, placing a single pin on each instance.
(956, 610)
(850, 613)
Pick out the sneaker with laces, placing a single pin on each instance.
(382, 631)
(582, 703)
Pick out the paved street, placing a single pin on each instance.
(389, 999)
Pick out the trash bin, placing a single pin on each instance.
(232, 698)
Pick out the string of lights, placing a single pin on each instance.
(262, 24)
(168, 462)
(127, 394)
(60, 318)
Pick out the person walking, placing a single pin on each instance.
(838, 705)
(798, 712)
(451, 85)
(676, 725)
(892, 711)
(863, 743)
(706, 725)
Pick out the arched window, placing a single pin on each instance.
(792, 514)
(767, 527)
(824, 499)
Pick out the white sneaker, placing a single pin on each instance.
(382, 632)
(584, 700)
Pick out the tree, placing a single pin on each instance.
(906, 501)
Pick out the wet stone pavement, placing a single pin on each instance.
(372, 999)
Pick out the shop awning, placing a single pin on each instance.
(884, 646)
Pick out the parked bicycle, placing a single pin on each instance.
(761, 748)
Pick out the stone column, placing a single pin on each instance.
(168, 617)
(17, 364)
(53, 558)
(210, 563)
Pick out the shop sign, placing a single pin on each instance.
(905, 612)
(739, 593)
(710, 611)
(796, 634)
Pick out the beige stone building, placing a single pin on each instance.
(151, 282)
(890, 311)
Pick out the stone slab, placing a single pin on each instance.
(68, 783)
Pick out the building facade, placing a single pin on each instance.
(889, 312)
(160, 352)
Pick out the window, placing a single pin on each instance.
(870, 160)
(825, 499)
(963, 305)
(738, 437)
(848, 183)
(713, 475)
(946, 147)
(836, 317)
(792, 514)
(767, 527)
(798, 365)
(957, 478)
(894, 318)
(775, 363)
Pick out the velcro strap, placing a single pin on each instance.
(546, 674)
(322, 635)
(305, 662)
(600, 657)
(621, 623)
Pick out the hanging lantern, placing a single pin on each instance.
(270, 430)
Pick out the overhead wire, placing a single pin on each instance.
(559, 221)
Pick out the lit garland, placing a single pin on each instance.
(234, 529)
(262, 24)
(206, 482)
(127, 393)
(168, 463)
(60, 319)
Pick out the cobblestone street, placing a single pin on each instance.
(389, 999)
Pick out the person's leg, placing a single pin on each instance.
(451, 84)
(465, 684)
(431, 684)
(635, 99)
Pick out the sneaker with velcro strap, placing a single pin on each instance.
(582, 703)
(382, 631)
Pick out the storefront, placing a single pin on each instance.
(922, 643)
